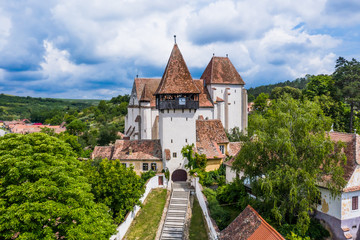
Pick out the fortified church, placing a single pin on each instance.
(166, 114)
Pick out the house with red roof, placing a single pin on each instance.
(249, 225)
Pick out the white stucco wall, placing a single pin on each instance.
(355, 178)
(232, 95)
(346, 205)
(330, 205)
(230, 174)
(176, 129)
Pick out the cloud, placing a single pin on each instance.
(93, 49)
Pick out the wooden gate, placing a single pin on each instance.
(179, 175)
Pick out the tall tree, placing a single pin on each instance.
(288, 154)
(115, 185)
(43, 193)
(347, 80)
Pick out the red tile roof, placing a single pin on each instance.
(249, 225)
(210, 133)
(176, 78)
(146, 94)
(233, 150)
(219, 99)
(204, 96)
(137, 150)
(130, 150)
(220, 70)
(22, 129)
(352, 142)
(151, 85)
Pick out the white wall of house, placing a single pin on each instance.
(230, 174)
(355, 178)
(346, 205)
(231, 114)
(330, 205)
(176, 129)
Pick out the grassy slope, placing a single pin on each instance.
(197, 225)
(145, 225)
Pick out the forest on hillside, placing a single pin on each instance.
(38, 109)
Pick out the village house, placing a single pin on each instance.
(25, 126)
(249, 225)
(178, 110)
(341, 213)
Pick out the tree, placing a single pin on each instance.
(347, 81)
(261, 102)
(320, 85)
(115, 185)
(195, 160)
(76, 127)
(288, 154)
(43, 194)
(278, 92)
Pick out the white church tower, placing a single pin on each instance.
(177, 99)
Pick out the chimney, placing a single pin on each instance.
(130, 150)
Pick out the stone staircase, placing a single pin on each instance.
(173, 228)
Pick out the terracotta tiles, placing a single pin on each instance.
(137, 150)
(22, 129)
(210, 133)
(151, 85)
(176, 78)
(220, 70)
(130, 150)
(234, 149)
(249, 225)
(167, 154)
(204, 96)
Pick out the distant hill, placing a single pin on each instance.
(14, 107)
(299, 83)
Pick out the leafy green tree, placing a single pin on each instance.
(320, 85)
(261, 102)
(107, 134)
(43, 193)
(288, 154)
(347, 81)
(278, 92)
(195, 160)
(115, 185)
(235, 135)
(76, 127)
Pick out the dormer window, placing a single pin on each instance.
(222, 149)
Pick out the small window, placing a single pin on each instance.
(162, 110)
(186, 119)
(174, 155)
(171, 118)
(355, 203)
(221, 91)
(222, 149)
(186, 140)
(235, 90)
(174, 110)
(182, 110)
(124, 164)
(171, 141)
(168, 110)
(153, 167)
(145, 166)
(234, 102)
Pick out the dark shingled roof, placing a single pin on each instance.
(249, 225)
(220, 70)
(177, 78)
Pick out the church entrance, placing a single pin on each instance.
(179, 175)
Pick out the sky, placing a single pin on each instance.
(93, 49)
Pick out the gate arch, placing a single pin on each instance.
(179, 175)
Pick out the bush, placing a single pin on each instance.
(147, 175)
(231, 193)
(220, 216)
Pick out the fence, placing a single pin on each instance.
(123, 227)
(213, 229)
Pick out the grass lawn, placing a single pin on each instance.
(146, 223)
(197, 224)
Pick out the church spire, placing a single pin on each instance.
(176, 78)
